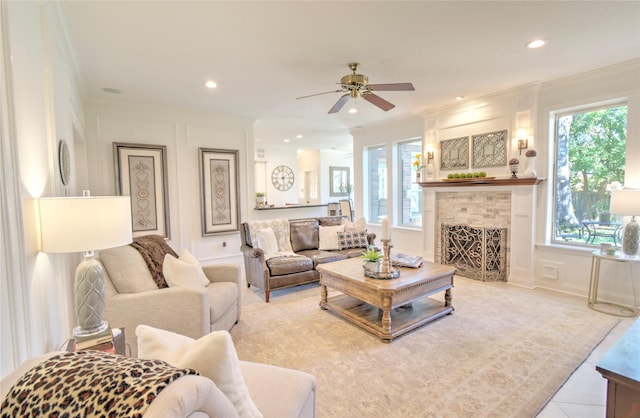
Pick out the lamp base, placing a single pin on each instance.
(79, 332)
(89, 297)
(631, 238)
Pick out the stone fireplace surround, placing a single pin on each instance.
(500, 203)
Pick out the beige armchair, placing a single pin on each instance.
(133, 298)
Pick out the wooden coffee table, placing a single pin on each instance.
(386, 308)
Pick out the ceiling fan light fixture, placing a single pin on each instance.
(353, 110)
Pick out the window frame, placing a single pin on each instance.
(554, 117)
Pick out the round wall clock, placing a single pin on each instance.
(64, 161)
(282, 177)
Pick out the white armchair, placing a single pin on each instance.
(132, 298)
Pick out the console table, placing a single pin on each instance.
(621, 367)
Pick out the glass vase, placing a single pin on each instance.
(531, 167)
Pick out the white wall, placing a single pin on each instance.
(40, 98)
(183, 132)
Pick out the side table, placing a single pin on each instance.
(118, 342)
(594, 281)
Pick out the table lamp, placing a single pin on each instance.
(85, 224)
(627, 202)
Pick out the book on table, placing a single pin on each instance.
(90, 342)
(406, 260)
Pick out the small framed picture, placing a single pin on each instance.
(141, 173)
(219, 180)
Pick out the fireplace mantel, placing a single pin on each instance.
(484, 182)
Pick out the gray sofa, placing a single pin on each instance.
(280, 272)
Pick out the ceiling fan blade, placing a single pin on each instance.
(318, 94)
(378, 101)
(340, 103)
(392, 87)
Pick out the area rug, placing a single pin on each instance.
(503, 352)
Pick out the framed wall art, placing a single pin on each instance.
(454, 153)
(339, 181)
(141, 173)
(489, 150)
(219, 180)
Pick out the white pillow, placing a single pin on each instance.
(213, 356)
(329, 237)
(183, 272)
(354, 226)
(266, 241)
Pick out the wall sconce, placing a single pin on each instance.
(522, 144)
(429, 156)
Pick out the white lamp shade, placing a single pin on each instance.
(78, 224)
(625, 202)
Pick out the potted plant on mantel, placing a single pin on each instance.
(372, 260)
(261, 200)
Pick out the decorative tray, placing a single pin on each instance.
(470, 179)
(393, 274)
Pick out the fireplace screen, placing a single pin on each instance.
(476, 253)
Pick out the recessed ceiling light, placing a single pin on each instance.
(461, 97)
(111, 90)
(211, 84)
(536, 43)
(299, 136)
(287, 140)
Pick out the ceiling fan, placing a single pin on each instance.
(357, 85)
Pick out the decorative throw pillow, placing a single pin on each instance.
(213, 356)
(183, 272)
(266, 241)
(352, 239)
(358, 225)
(329, 237)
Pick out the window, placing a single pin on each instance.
(590, 163)
(377, 176)
(410, 192)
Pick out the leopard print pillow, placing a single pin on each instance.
(89, 383)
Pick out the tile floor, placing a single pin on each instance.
(584, 395)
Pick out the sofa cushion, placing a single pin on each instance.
(280, 228)
(353, 239)
(183, 272)
(330, 220)
(304, 234)
(358, 225)
(127, 270)
(329, 237)
(213, 356)
(287, 265)
(320, 256)
(266, 241)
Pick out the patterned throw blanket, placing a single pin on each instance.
(89, 383)
(153, 248)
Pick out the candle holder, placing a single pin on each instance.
(387, 271)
